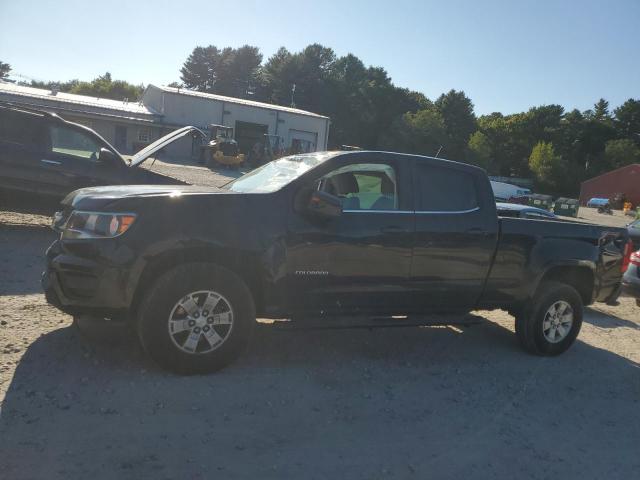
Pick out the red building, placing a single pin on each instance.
(624, 180)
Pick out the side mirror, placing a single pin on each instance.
(324, 205)
(106, 157)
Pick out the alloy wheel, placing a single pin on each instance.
(200, 322)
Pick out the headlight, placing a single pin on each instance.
(97, 224)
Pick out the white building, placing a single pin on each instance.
(300, 130)
(129, 126)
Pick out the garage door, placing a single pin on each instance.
(302, 142)
(248, 134)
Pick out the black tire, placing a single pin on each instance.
(159, 302)
(529, 323)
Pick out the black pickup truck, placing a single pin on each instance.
(318, 235)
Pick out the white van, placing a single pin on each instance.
(504, 191)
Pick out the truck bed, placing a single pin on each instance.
(526, 248)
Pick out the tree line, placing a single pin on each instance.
(557, 148)
(102, 86)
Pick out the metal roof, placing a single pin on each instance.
(47, 96)
(238, 101)
(631, 168)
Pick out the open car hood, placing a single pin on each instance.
(159, 144)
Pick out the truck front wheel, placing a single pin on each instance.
(196, 318)
(551, 321)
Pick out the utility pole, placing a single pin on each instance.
(293, 92)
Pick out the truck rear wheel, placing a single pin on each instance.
(196, 318)
(551, 321)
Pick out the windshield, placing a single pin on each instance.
(278, 173)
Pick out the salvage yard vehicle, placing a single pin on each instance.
(634, 233)
(503, 192)
(222, 149)
(42, 154)
(524, 211)
(317, 235)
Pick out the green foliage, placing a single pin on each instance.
(101, 87)
(619, 153)
(423, 132)
(199, 71)
(105, 87)
(627, 120)
(60, 86)
(5, 68)
(601, 110)
(479, 152)
(309, 71)
(231, 72)
(456, 110)
(362, 101)
(546, 166)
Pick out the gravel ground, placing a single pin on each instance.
(193, 173)
(444, 402)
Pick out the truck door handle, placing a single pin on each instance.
(392, 229)
(51, 162)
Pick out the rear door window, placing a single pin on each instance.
(443, 189)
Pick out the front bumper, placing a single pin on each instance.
(79, 279)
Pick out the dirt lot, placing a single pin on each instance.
(193, 172)
(442, 402)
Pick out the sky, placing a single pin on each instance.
(507, 56)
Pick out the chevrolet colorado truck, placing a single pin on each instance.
(314, 235)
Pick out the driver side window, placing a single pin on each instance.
(363, 186)
(68, 141)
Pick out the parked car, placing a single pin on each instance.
(524, 211)
(42, 154)
(634, 233)
(596, 202)
(319, 234)
(631, 278)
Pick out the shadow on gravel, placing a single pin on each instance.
(382, 403)
(602, 320)
(22, 259)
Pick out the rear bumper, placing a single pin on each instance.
(631, 287)
(631, 290)
(78, 285)
(631, 282)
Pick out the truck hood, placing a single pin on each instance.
(96, 198)
(162, 142)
